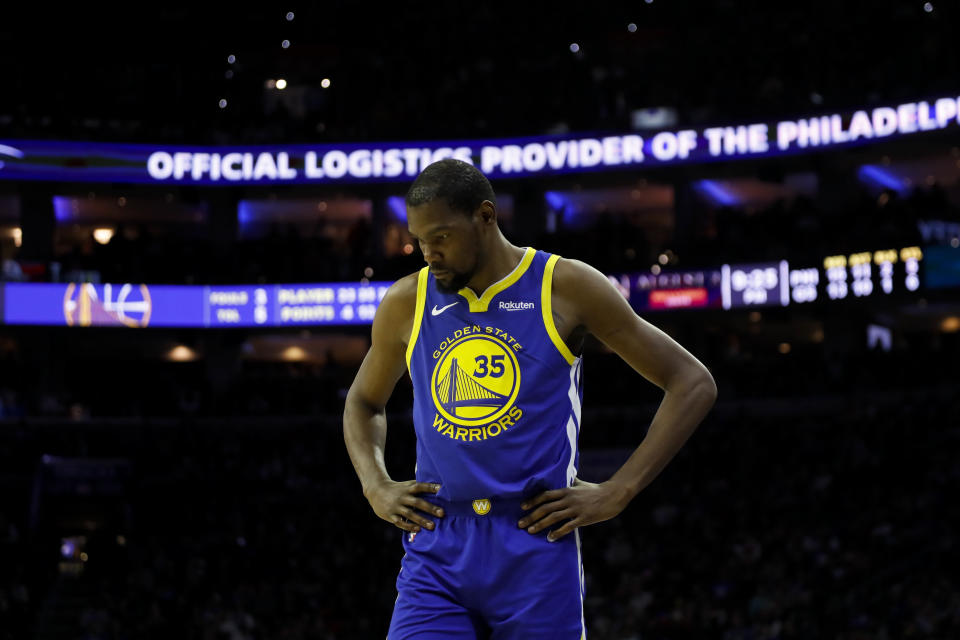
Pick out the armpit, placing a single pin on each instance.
(572, 336)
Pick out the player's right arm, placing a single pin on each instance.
(364, 414)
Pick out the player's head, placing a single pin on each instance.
(451, 212)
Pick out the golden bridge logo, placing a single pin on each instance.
(84, 305)
(475, 384)
(475, 380)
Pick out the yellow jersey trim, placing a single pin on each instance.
(418, 316)
(481, 303)
(546, 306)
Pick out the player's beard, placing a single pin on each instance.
(457, 281)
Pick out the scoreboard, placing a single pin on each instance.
(861, 275)
(141, 305)
(775, 283)
(670, 290)
(762, 284)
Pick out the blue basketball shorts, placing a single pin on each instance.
(478, 576)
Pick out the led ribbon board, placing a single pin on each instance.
(141, 305)
(670, 290)
(497, 158)
(859, 275)
(865, 274)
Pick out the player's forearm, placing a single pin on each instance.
(681, 411)
(365, 434)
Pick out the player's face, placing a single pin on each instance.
(449, 240)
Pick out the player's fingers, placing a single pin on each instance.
(399, 522)
(541, 512)
(554, 494)
(423, 505)
(567, 527)
(553, 518)
(415, 517)
(424, 487)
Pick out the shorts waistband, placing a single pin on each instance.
(481, 507)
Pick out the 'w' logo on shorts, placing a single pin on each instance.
(481, 507)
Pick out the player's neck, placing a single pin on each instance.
(500, 262)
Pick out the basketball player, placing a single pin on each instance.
(491, 335)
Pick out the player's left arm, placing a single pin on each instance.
(584, 297)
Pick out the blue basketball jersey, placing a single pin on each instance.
(497, 393)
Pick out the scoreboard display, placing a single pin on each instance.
(776, 283)
(760, 284)
(141, 305)
(866, 274)
(670, 290)
(861, 275)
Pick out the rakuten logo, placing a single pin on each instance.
(516, 306)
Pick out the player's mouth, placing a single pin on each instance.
(440, 273)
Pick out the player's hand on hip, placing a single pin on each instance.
(581, 504)
(397, 503)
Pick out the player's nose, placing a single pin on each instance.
(432, 258)
(436, 266)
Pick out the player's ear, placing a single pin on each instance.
(486, 212)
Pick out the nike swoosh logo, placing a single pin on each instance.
(437, 312)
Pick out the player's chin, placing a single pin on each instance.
(446, 285)
(451, 283)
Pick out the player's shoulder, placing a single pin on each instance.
(400, 299)
(405, 286)
(569, 274)
(580, 292)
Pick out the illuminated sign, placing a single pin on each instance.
(858, 275)
(678, 298)
(9, 152)
(497, 158)
(803, 285)
(755, 284)
(88, 304)
(863, 274)
(140, 305)
(669, 289)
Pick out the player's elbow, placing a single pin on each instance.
(696, 383)
(358, 405)
(708, 387)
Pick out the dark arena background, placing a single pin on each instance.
(201, 207)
